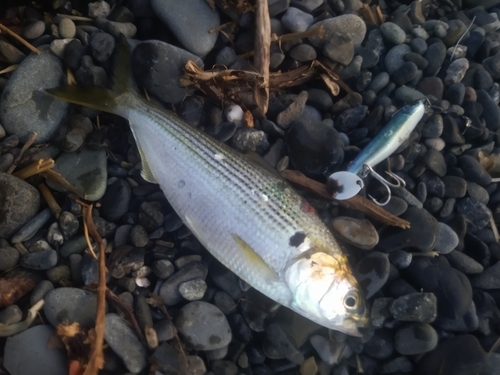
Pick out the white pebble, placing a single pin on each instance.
(234, 113)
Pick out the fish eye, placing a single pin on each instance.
(351, 301)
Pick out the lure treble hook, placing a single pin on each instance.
(386, 183)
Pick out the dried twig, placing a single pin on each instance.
(315, 31)
(12, 329)
(51, 201)
(9, 69)
(96, 360)
(357, 202)
(262, 55)
(61, 181)
(127, 310)
(26, 145)
(75, 18)
(39, 166)
(19, 39)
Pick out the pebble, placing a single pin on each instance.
(488, 279)
(138, 236)
(32, 343)
(67, 28)
(358, 232)
(11, 314)
(415, 307)
(435, 55)
(303, 53)
(40, 291)
(85, 170)
(194, 36)
(193, 290)
(166, 359)
(329, 351)
(455, 187)
(350, 118)
(34, 30)
(163, 268)
(41, 260)
(350, 24)
(203, 326)
(491, 112)
(395, 57)
(340, 48)
(9, 257)
(476, 213)
(456, 71)
(124, 342)
(296, 20)
(158, 66)
(435, 162)
(372, 272)
(464, 263)
(293, 112)
(99, 9)
(416, 338)
(392, 33)
(10, 55)
(115, 202)
(70, 305)
(20, 203)
(24, 106)
(169, 290)
(447, 239)
(283, 343)
(128, 29)
(381, 346)
(102, 46)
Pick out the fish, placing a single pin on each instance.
(244, 214)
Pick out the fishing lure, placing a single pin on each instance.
(348, 183)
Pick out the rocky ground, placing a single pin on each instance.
(430, 314)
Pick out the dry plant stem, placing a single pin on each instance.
(96, 361)
(75, 18)
(494, 228)
(12, 329)
(26, 145)
(127, 310)
(21, 249)
(262, 54)
(51, 201)
(89, 243)
(19, 39)
(61, 181)
(39, 166)
(316, 31)
(357, 202)
(9, 69)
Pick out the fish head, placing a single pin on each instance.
(325, 291)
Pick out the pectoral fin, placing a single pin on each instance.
(255, 260)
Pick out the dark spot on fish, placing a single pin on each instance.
(297, 239)
(313, 263)
(214, 339)
(181, 184)
(333, 187)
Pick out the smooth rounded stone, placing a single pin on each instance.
(476, 213)
(329, 351)
(358, 232)
(319, 99)
(41, 260)
(469, 322)
(293, 112)
(184, 260)
(350, 24)
(416, 338)
(488, 279)
(395, 57)
(11, 314)
(70, 305)
(32, 343)
(10, 55)
(458, 355)
(456, 71)
(417, 59)
(99, 9)
(86, 171)
(483, 80)
(75, 246)
(340, 48)
(59, 275)
(418, 45)
(24, 105)
(379, 82)
(20, 203)
(128, 29)
(447, 239)
(303, 53)
(102, 46)
(435, 162)
(138, 236)
(435, 55)
(40, 291)
(473, 170)
(372, 272)
(491, 111)
(415, 307)
(350, 118)
(34, 30)
(477, 192)
(296, 20)
(431, 86)
(166, 359)
(116, 200)
(400, 259)
(381, 345)
(165, 330)
(150, 216)
(408, 95)
(451, 287)
(405, 73)
(203, 325)
(157, 66)
(169, 290)
(392, 33)
(282, 343)
(421, 235)
(464, 263)
(9, 257)
(67, 28)
(435, 143)
(89, 74)
(57, 46)
(398, 364)
(492, 65)
(193, 290)
(124, 342)
(194, 36)
(396, 206)
(314, 147)
(163, 268)
(456, 94)
(223, 367)
(68, 224)
(226, 56)
(455, 187)
(225, 302)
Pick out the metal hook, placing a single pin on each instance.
(399, 182)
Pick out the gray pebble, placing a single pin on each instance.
(9, 257)
(193, 290)
(415, 338)
(69, 305)
(464, 263)
(169, 290)
(329, 351)
(194, 36)
(99, 9)
(379, 82)
(351, 24)
(128, 29)
(339, 48)
(102, 46)
(68, 224)
(380, 311)
(446, 240)
(165, 330)
(31, 227)
(415, 307)
(163, 268)
(395, 57)
(11, 314)
(41, 260)
(393, 33)
(166, 359)
(183, 261)
(75, 246)
(456, 71)
(358, 232)
(59, 275)
(138, 236)
(296, 20)
(67, 28)
(303, 52)
(34, 30)
(32, 345)
(203, 325)
(86, 170)
(124, 342)
(40, 291)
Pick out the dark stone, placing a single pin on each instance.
(431, 86)
(116, 200)
(473, 170)
(455, 187)
(435, 54)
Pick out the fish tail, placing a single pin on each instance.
(97, 97)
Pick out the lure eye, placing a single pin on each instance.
(351, 301)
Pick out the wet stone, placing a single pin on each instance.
(193, 290)
(400, 259)
(203, 326)
(464, 263)
(296, 20)
(169, 290)
(415, 338)
(224, 302)
(447, 239)
(225, 280)
(393, 33)
(163, 268)
(415, 307)
(340, 48)
(350, 118)
(115, 202)
(303, 52)
(69, 305)
(41, 260)
(372, 272)
(138, 236)
(330, 352)
(11, 314)
(358, 232)
(435, 54)
(435, 162)
(395, 57)
(350, 24)
(150, 216)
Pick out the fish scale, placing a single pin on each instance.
(245, 215)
